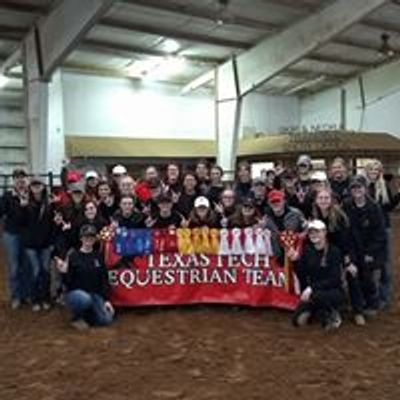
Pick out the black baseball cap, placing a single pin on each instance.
(358, 180)
(248, 202)
(164, 198)
(19, 173)
(88, 230)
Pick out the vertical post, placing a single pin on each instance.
(343, 106)
(228, 116)
(36, 105)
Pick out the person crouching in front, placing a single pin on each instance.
(319, 270)
(86, 280)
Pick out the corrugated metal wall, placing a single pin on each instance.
(13, 136)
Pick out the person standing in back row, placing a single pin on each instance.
(367, 248)
(18, 273)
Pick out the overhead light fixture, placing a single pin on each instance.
(156, 67)
(3, 81)
(170, 46)
(140, 68)
(386, 50)
(167, 68)
(222, 9)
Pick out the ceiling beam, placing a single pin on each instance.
(128, 51)
(209, 14)
(173, 33)
(196, 12)
(382, 26)
(12, 33)
(309, 74)
(18, 7)
(10, 61)
(301, 5)
(275, 54)
(55, 36)
(338, 60)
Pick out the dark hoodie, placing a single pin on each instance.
(37, 224)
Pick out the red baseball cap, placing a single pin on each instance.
(275, 196)
(73, 177)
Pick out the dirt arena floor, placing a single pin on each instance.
(197, 354)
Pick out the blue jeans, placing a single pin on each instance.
(88, 306)
(386, 281)
(39, 260)
(18, 274)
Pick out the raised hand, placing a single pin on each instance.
(61, 265)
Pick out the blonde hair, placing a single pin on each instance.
(381, 190)
(335, 213)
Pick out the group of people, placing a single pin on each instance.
(343, 218)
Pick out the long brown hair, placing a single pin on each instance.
(336, 215)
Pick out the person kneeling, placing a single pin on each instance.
(319, 270)
(86, 280)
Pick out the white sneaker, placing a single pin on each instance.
(46, 306)
(80, 325)
(304, 318)
(36, 308)
(15, 304)
(359, 320)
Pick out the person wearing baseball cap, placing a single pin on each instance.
(289, 187)
(246, 216)
(202, 214)
(86, 281)
(281, 217)
(37, 236)
(304, 169)
(319, 270)
(10, 202)
(166, 217)
(92, 181)
(117, 173)
(368, 247)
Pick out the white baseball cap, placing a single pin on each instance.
(317, 225)
(304, 159)
(319, 176)
(91, 174)
(119, 170)
(201, 202)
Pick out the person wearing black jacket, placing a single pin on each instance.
(91, 216)
(339, 179)
(380, 191)
(185, 200)
(259, 194)
(37, 234)
(367, 247)
(337, 223)
(127, 216)
(166, 217)
(319, 271)
(107, 203)
(243, 184)
(18, 276)
(86, 281)
(216, 186)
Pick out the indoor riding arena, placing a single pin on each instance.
(199, 200)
